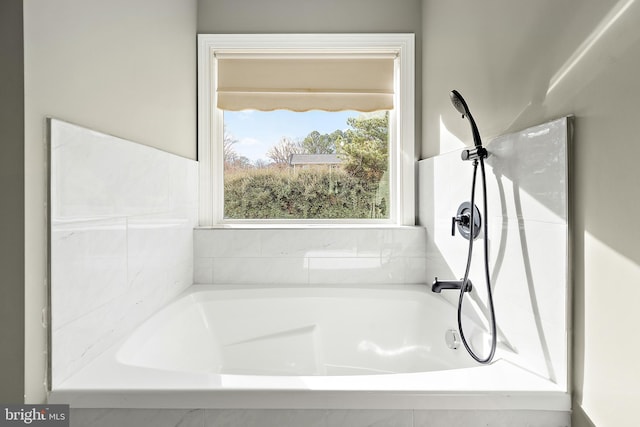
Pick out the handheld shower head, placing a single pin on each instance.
(460, 104)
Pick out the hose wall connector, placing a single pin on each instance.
(474, 153)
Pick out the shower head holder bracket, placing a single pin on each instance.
(474, 153)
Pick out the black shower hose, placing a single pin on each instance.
(465, 280)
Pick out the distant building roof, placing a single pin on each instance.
(314, 159)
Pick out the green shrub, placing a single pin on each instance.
(275, 193)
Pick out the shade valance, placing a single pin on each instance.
(303, 84)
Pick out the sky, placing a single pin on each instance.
(257, 131)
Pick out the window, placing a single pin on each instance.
(286, 79)
(310, 166)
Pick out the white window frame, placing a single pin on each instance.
(402, 157)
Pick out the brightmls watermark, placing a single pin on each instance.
(34, 415)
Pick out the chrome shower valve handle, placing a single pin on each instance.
(463, 220)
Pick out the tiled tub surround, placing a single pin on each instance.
(310, 255)
(121, 242)
(528, 234)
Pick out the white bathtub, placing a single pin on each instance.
(303, 347)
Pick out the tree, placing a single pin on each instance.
(237, 162)
(232, 160)
(261, 164)
(316, 143)
(364, 149)
(282, 151)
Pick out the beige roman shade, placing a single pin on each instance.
(269, 83)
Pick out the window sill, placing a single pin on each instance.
(301, 226)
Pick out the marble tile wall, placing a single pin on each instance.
(121, 238)
(312, 256)
(315, 418)
(528, 239)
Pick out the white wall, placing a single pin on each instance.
(521, 63)
(289, 16)
(123, 67)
